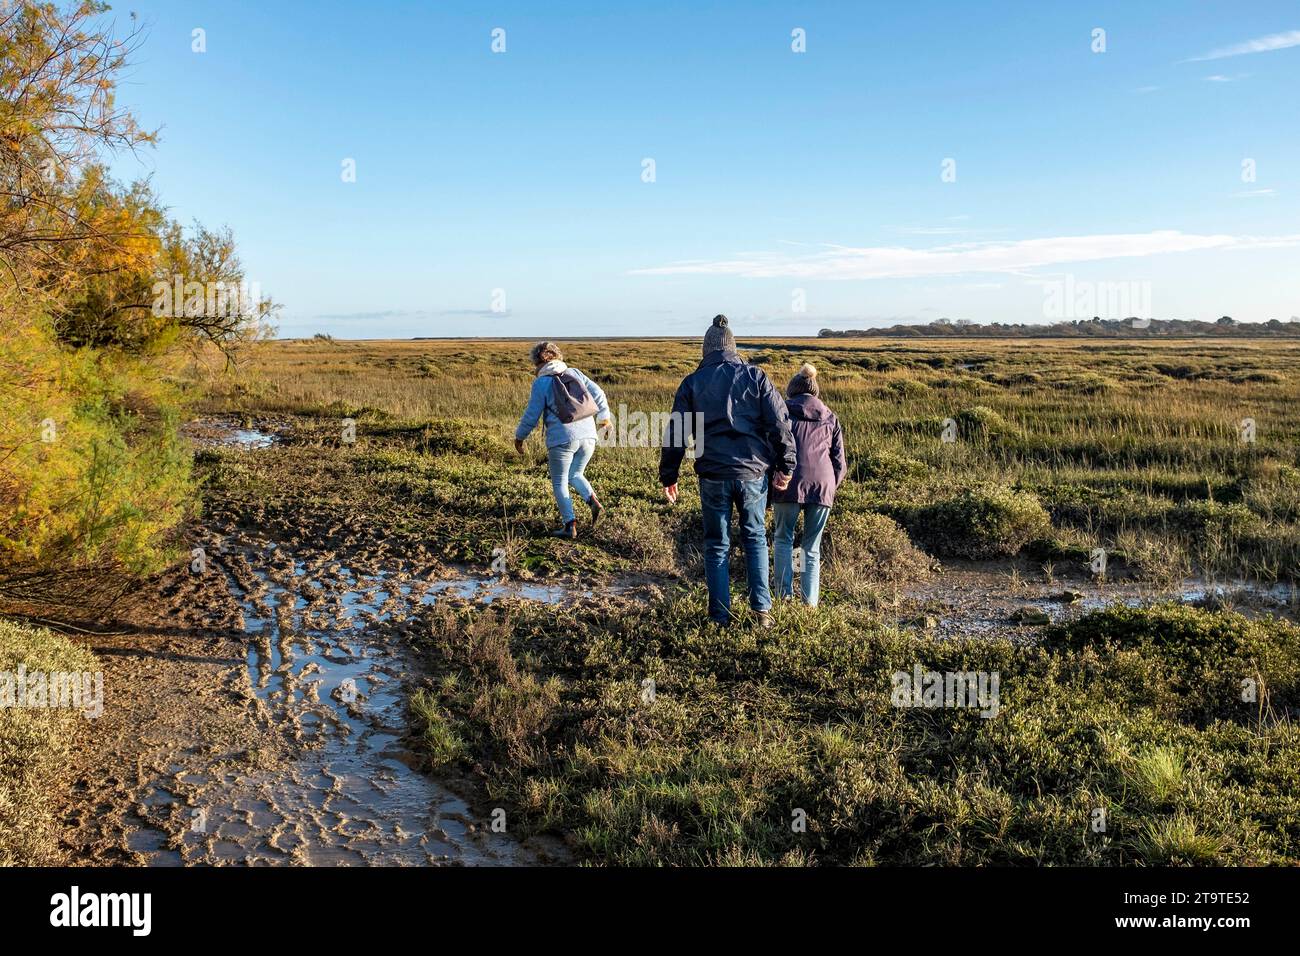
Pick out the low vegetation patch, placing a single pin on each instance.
(988, 522)
(656, 739)
(864, 550)
(34, 744)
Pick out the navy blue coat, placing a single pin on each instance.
(745, 426)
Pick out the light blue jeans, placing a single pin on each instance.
(814, 523)
(566, 463)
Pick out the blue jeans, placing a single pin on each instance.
(814, 523)
(566, 463)
(750, 498)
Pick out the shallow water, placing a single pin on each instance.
(220, 432)
(1279, 597)
(250, 438)
(974, 601)
(325, 666)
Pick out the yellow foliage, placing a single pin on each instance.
(92, 470)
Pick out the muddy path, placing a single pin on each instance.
(255, 713)
(1015, 599)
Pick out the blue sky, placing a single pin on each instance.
(505, 193)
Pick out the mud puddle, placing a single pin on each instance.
(323, 671)
(229, 432)
(1011, 601)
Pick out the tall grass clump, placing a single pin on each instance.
(35, 745)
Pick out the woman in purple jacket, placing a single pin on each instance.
(820, 469)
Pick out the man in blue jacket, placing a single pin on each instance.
(741, 430)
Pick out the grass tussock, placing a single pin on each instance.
(34, 746)
(657, 740)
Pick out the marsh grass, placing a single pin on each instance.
(35, 744)
(1062, 447)
(1134, 447)
(749, 731)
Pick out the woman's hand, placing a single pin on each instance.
(519, 446)
(780, 482)
(671, 493)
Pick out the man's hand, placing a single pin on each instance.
(671, 493)
(604, 428)
(519, 446)
(780, 482)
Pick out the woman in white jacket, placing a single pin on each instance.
(569, 445)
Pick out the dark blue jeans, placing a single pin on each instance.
(750, 499)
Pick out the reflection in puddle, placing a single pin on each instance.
(229, 433)
(1278, 597)
(251, 438)
(326, 668)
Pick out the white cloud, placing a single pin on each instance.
(1274, 41)
(894, 262)
(1253, 193)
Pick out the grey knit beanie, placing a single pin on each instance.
(803, 383)
(719, 336)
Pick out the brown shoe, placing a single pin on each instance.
(568, 532)
(597, 509)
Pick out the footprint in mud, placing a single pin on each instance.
(324, 672)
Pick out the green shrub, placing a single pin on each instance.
(441, 436)
(865, 548)
(980, 423)
(1084, 383)
(97, 475)
(988, 522)
(887, 467)
(1196, 665)
(458, 437)
(1201, 519)
(904, 388)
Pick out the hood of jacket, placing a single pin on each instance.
(553, 367)
(718, 356)
(808, 408)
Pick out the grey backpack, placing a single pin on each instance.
(571, 399)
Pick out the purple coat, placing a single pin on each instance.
(820, 446)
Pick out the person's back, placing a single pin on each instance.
(741, 431)
(820, 469)
(738, 420)
(570, 422)
(819, 442)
